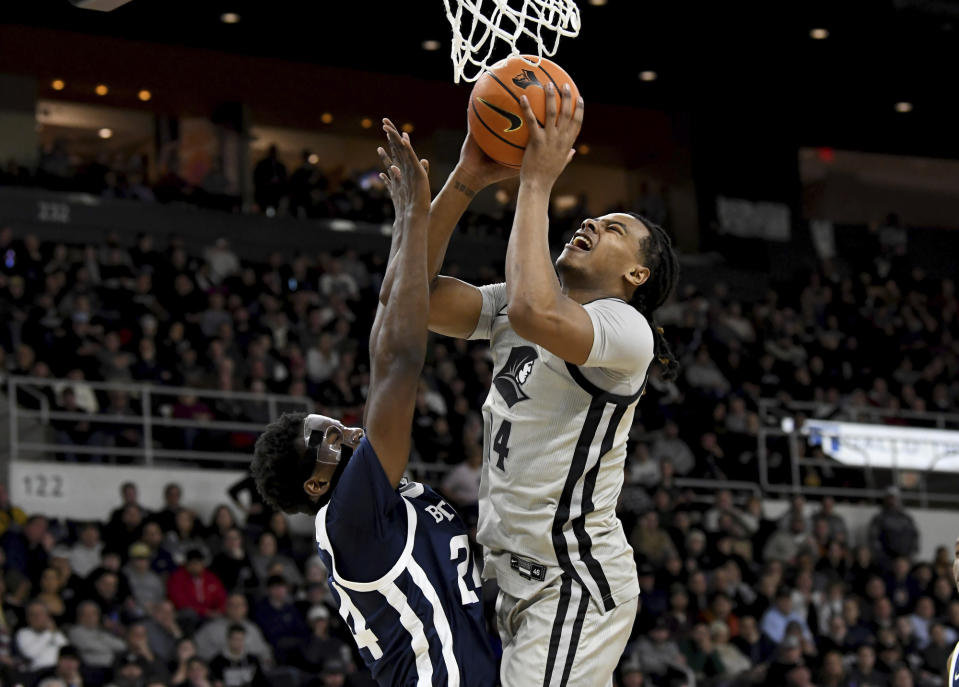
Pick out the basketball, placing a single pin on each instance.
(495, 115)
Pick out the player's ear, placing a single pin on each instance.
(637, 275)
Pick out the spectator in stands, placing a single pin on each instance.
(97, 647)
(128, 672)
(333, 675)
(922, 619)
(838, 531)
(186, 536)
(659, 655)
(138, 648)
(731, 658)
(276, 615)
(780, 615)
(110, 590)
(85, 554)
(39, 642)
(785, 545)
(48, 591)
(892, 532)
(269, 182)
(161, 561)
(123, 533)
(28, 549)
(864, 671)
(10, 515)
(235, 666)
(650, 541)
(221, 522)
(197, 674)
(321, 648)
(461, 484)
(211, 639)
(223, 262)
(669, 447)
(195, 591)
(67, 670)
(146, 587)
(232, 565)
(184, 652)
(163, 630)
(129, 496)
(166, 517)
(701, 657)
(266, 561)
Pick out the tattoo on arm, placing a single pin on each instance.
(463, 188)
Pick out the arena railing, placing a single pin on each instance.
(39, 430)
(780, 440)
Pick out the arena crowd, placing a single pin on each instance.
(729, 596)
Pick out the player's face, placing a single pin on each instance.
(607, 249)
(324, 438)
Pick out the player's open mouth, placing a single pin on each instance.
(582, 242)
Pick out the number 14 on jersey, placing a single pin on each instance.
(500, 443)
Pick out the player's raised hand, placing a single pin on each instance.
(406, 175)
(550, 147)
(480, 168)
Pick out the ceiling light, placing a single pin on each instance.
(819, 34)
(408, 127)
(101, 89)
(58, 84)
(326, 117)
(230, 18)
(583, 149)
(431, 45)
(903, 107)
(366, 122)
(144, 95)
(313, 158)
(105, 133)
(648, 75)
(597, 3)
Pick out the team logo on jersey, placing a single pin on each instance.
(510, 379)
(525, 79)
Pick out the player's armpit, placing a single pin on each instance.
(565, 329)
(455, 307)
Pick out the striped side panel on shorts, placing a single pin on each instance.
(567, 630)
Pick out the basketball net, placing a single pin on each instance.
(479, 25)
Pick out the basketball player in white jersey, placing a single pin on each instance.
(952, 677)
(570, 357)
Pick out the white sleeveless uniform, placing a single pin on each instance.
(555, 448)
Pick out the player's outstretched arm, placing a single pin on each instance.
(538, 309)
(454, 305)
(398, 342)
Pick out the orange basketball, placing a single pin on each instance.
(495, 115)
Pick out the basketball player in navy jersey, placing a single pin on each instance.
(571, 354)
(399, 558)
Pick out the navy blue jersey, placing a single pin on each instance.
(405, 581)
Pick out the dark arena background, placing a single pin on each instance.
(193, 235)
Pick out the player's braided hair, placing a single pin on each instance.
(279, 469)
(663, 264)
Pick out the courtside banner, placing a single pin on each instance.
(881, 446)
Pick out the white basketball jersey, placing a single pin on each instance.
(555, 448)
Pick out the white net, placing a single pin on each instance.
(479, 26)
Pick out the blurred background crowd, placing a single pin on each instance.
(729, 597)
(192, 241)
